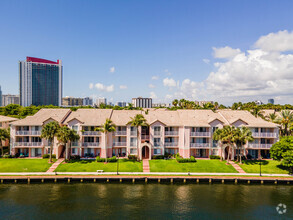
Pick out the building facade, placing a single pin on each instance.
(121, 104)
(10, 99)
(187, 132)
(71, 101)
(142, 102)
(100, 101)
(271, 101)
(87, 101)
(4, 124)
(40, 82)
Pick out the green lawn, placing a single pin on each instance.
(93, 166)
(268, 166)
(24, 165)
(210, 166)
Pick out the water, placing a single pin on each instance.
(144, 201)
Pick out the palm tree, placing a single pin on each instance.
(107, 127)
(73, 136)
(138, 121)
(286, 121)
(4, 135)
(63, 136)
(243, 135)
(49, 132)
(227, 136)
(271, 117)
(257, 112)
(175, 102)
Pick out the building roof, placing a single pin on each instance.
(167, 117)
(7, 119)
(122, 117)
(39, 60)
(43, 115)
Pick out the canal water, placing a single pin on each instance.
(144, 201)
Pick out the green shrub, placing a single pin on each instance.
(157, 157)
(110, 160)
(7, 156)
(98, 159)
(185, 160)
(132, 157)
(45, 156)
(215, 157)
(75, 157)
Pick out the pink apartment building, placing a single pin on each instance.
(188, 132)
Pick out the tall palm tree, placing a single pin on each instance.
(243, 135)
(49, 132)
(257, 112)
(175, 102)
(285, 120)
(227, 136)
(4, 135)
(108, 127)
(73, 136)
(138, 121)
(271, 117)
(63, 135)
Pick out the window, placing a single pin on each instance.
(75, 127)
(133, 142)
(157, 130)
(133, 151)
(73, 150)
(157, 142)
(157, 151)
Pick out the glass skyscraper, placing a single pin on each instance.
(40, 82)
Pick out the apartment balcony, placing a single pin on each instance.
(260, 146)
(156, 144)
(91, 144)
(200, 145)
(133, 133)
(22, 133)
(133, 144)
(264, 134)
(117, 144)
(27, 144)
(145, 137)
(75, 144)
(200, 134)
(171, 144)
(120, 133)
(157, 133)
(171, 133)
(91, 133)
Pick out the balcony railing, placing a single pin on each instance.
(91, 144)
(27, 144)
(200, 134)
(133, 133)
(171, 144)
(157, 133)
(200, 145)
(171, 133)
(264, 134)
(133, 144)
(260, 146)
(145, 137)
(119, 133)
(157, 144)
(119, 144)
(28, 133)
(91, 133)
(75, 144)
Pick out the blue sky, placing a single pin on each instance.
(182, 45)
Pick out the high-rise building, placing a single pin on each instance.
(271, 101)
(1, 97)
(100, 101)
(142, 102)
(40, 82)
(71, 101)
(121, 104)
(87, 101)
(10, 99)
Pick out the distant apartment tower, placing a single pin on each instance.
(71, 101)
(87, 101)
(202, 103)
(258, 102)
(121, 104)
(100, 101)
(10, 99)
(271, 101)
(142, 102)
(1, 97)
(40, 82)
(161, 105)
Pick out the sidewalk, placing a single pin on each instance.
(55, 165)
(145, 165)
(237, 167)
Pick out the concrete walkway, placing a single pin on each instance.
(237, 167)
(145, 165)
(55, 165)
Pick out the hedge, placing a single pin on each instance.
(156, 157)
(215, 157)
(110, 160)
(45, 156)
(185, 160)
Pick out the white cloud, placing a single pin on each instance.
(123, 87)
(153, 95)
(169, 82)
(151, 86)
(225, 52)
(112, 69)
(155, 77)
(207, 61)
(91, 85)
(101, 87)
(280, 41)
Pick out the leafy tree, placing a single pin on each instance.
(4, 135)
(49, 132)
(285, 120)
(175, 102)
(138, 121)
(284, 145)
(257, 112)
(288, 160)
(243, 135)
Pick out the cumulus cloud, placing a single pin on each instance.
(225, 52)
(207, 61)
(151, 86)
(101, 87)
(155, 77)
(123, 87)
(112, 69)
(169, 82)
(91, 85)
(153, 95)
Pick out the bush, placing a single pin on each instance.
(185, 160)
(75, 157)
(215, 157)
(132, 157)
(110, 160)
(157, 157)
(45, 156)
(7, 156)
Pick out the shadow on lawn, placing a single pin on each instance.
(255, 162)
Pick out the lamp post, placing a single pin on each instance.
(118, 164)
(260, 167)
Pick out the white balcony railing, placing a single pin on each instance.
(27, 144)
(145, 137)
(133, 133)
(91, 144)
(91, 133)
(171, 144)
(157, 133)
(119, 133)
(200, 145)
(119, 144)
(264, 134)
(28, 133)
(200, 134)
(133, 144)
(171, 133)
(260, 146)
